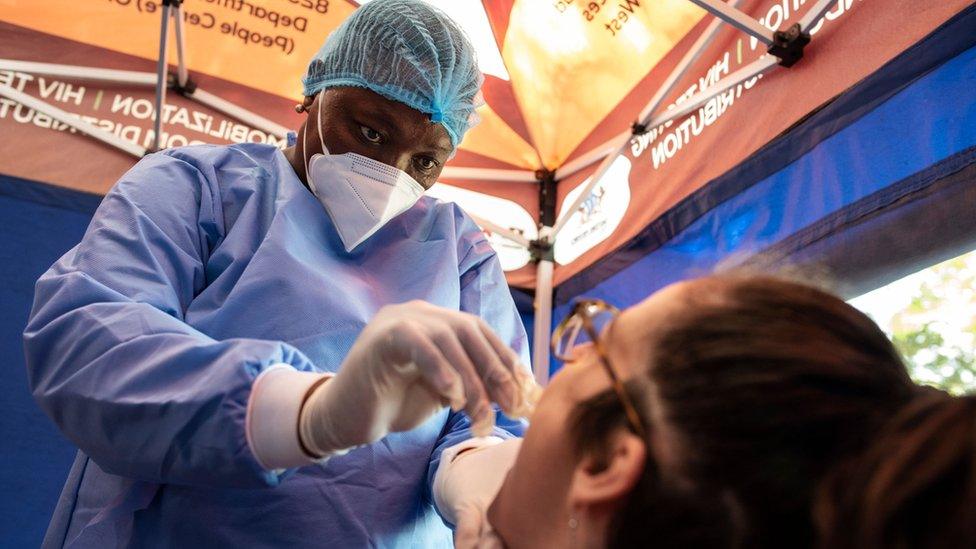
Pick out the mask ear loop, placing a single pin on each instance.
(325, 150)
(305, 148)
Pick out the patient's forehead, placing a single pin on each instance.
(631, 334)
(654, 308)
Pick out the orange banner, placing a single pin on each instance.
(572, 62)
(264, 44)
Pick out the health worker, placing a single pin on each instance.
(256, 348)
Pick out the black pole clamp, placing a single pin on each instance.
(788, 45)
(541, 250)
(547, 196)
(186, 90)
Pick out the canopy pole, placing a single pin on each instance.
(681, 69)
(596, 154)
(737, 19)
(816, 13)
(489, 174)
(250, 118)
(502, 231)
(91, 74)
(187, 89)
(72, 121)
(543, 252)
(542, 331)
(161, 73)
(759, 66)
(182, 75)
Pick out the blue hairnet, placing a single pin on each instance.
(407, 51)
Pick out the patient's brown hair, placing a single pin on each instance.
(795, 401)
(796, 421)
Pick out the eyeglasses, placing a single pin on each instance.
(584, 324)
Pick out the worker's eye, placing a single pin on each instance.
(371, 135)
(426, 163)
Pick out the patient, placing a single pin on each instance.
(750, 412)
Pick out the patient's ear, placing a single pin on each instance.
(608, 476)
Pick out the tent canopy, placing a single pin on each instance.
(601, 121)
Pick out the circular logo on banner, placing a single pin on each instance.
(598, 216)
(500, 211)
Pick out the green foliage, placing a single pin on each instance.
(936, 332)
(932, 362)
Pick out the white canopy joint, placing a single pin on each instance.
(161, 80)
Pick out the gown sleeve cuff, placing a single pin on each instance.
(271, 424)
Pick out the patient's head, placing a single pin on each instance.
(770, 414)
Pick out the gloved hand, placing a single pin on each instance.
(467, 481)
(410, 361)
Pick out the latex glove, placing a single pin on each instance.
(467, 481)
(409, 362)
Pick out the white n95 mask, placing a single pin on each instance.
(359, 193)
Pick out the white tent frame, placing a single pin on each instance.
(785, 48)
(783, 42)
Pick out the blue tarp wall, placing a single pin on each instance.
(38, 224)
(876, 184)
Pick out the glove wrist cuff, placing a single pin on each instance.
(273, 410)
(298, 424)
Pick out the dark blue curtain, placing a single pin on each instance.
(37, 225)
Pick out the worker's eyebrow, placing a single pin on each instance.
(388, 119)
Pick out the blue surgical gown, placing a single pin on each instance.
(203, 266)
